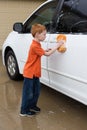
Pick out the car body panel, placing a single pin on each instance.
(68, 73)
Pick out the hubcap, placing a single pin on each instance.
(11, 65)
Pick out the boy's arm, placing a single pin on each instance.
(51, 51)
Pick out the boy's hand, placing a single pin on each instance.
(48, 49)
(61, 42)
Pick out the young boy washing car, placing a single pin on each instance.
(32, 71)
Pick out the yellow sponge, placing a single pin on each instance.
(62, 48)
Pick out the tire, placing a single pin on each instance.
(12, 66)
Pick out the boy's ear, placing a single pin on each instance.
(36, 34)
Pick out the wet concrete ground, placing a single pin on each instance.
(58, 112)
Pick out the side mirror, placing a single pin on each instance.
(18, 27)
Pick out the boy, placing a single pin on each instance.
(32, 71)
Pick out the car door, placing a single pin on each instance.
(68, 70)
(42, 15)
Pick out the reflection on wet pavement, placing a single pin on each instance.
(58, 112)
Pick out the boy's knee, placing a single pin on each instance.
(30, 96)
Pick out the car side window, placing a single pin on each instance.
(43, 16)
(80, 27)
(71, 20)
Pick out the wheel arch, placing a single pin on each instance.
(8, 49)
(5, 53)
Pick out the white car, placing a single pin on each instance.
(65, 72)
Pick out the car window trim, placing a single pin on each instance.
(56, 15)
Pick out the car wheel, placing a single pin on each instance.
(12, 66)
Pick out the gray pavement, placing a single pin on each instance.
(58, 112)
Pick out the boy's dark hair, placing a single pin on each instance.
(37, 28)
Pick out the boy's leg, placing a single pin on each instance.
(36, 91)
(27, 95)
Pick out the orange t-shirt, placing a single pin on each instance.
(33, 64)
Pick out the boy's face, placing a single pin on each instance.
(41, 36)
